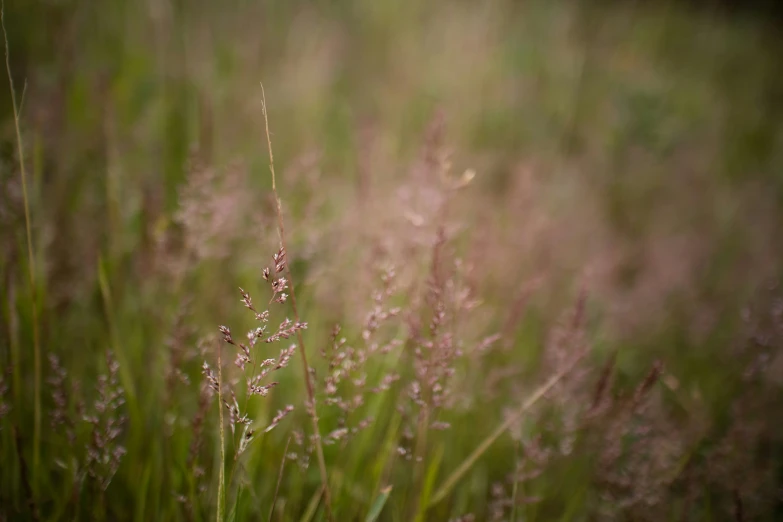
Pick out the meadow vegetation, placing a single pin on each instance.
(507, 261)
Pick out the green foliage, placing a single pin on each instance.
(650, 138)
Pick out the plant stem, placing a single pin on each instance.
(419, 454)
(30, 266)
(463, 468)
(23, 472)
(305, 366)
(279, 479)
(221, 471)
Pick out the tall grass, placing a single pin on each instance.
(527, 253)
(30, 264)
(221, 490)
(311, 406)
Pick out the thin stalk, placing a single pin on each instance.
(319, 450)
(279, 479)
(515, 486)
(221, 471)
(23, 472)
(419, 454)
(468, 463)
(30, 265)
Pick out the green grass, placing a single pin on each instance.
(630, 150)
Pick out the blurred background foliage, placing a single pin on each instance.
(631, 148)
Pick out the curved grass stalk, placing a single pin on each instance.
(319, 450)
(30, 265)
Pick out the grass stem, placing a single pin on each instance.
(279, 479)
(468, 463)
(30, 265)
(221, 469)
(303, 354)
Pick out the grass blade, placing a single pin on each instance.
(279, 479)
(313, 505)
(30, 264)
(468, 463)
(377, 505)
(429, 483)
(126, 377)
(221, 470)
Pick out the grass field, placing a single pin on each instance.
(512, 261)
